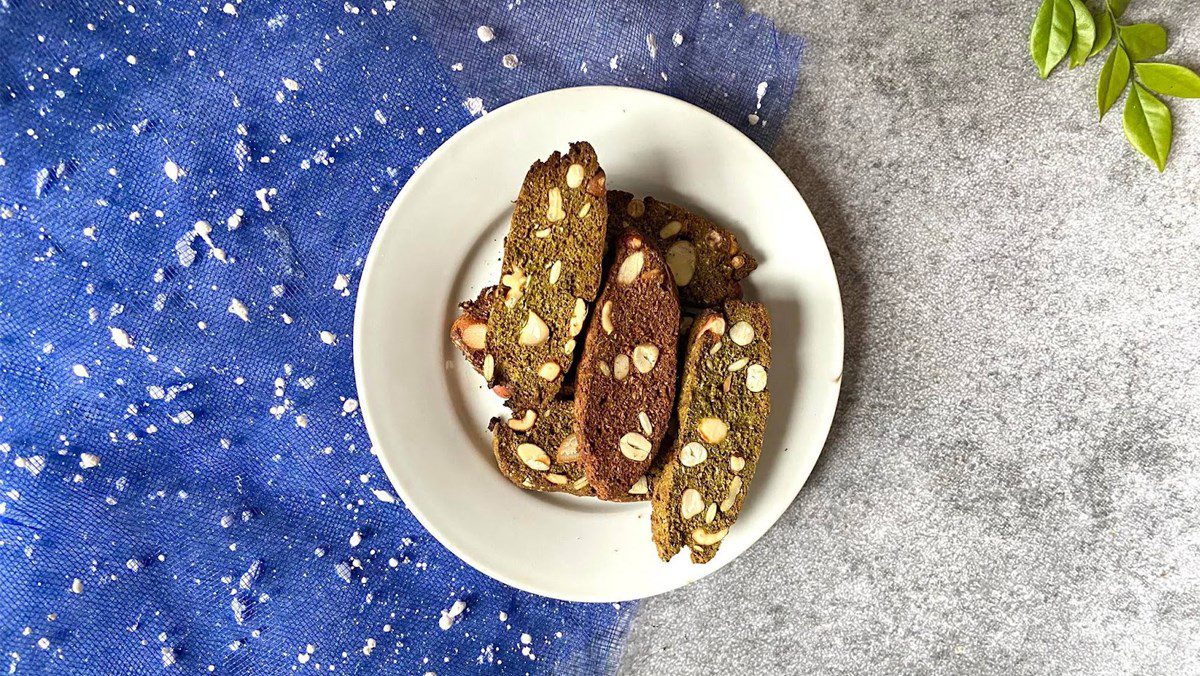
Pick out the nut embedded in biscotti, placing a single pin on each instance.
(606, 317)
(535, 331)
(574, 175)
(569, 347)
(710, 513)
(712, 430)
(670, 230)
(715, 324)
(756, 378)
(585, 209)
(515, 281)
(741, 333)
(739, 365)
(557, 479)
(534, 457)
(578, 314)
(555, 272)
(644, 421)
(693, 454)
(735, 487)
(631, 268)
(690, 503)
(645, 356)
(489, 367)
(736, 463)
(549, 371)
(554, 208)
(635, 447)
(635, 208)
(620, 367)
(704, 538)
(639, 487)
(568, 450)
(524, 423)
(595, 186)
(681, 258)
(469, 331)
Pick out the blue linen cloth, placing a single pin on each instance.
(187, 194)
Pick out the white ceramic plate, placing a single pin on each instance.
(441, 241)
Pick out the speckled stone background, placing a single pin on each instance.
(1011, 485)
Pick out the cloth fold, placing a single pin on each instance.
(187, 195)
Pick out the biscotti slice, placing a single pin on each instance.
(550, 276)
(626, 382)
(723, 408)
(469, 330)
(537, 449)
(706, 259)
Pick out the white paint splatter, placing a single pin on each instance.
(173, 171)
(612, 63)
(350, 405)
(451, 615)
(229, 9)
(237, 308)
(328, 338)
(380, 117)
(81, 371)
(474, 106)
(88, 460)
(262, 194)
(131, 60)
(120, 338)
(761, 91)
(77, 586)
(292, 85)
(677, 39)
(510, 61)
(383, 496)
(652, 45)
(355, 539)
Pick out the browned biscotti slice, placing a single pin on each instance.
(553, 255)
(707, 260)
(626, 382)
(469, 330)
(539, 450)
(723, 408)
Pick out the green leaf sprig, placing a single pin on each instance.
(1068, 29)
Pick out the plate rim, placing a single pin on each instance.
(365, 283)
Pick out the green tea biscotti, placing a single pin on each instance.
(625, 387)
(722, 412)
(550, 275)
(538, 449)
(706, 259)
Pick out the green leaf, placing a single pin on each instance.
(1104, 31)
(1144, 40)
(1085, 34)
(1051, 35)
(1113, 78)
(1148, 125)
(1118, 7)
(1169, 79)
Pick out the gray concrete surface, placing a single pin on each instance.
(1012, 483)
